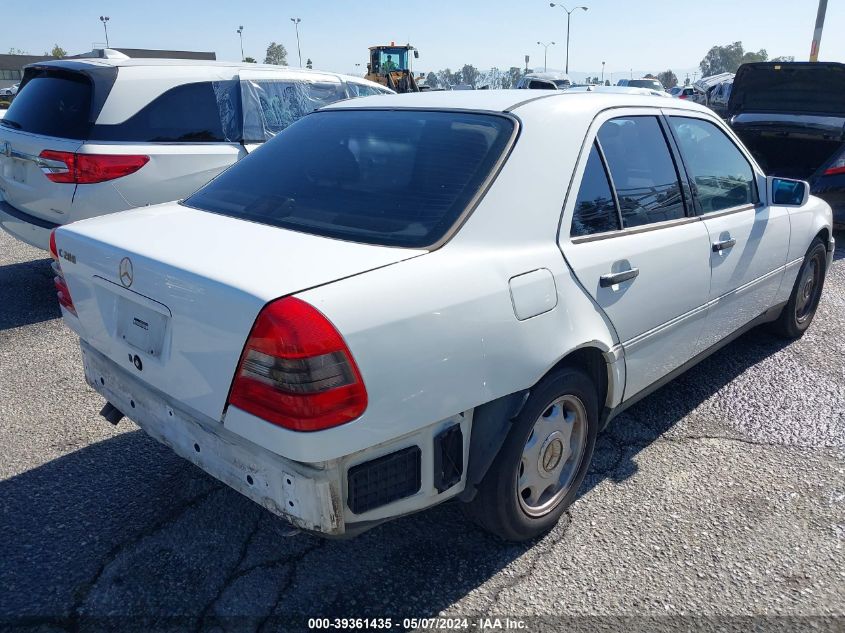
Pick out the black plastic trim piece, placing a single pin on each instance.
(384, 480)
(491, 423)
(448, 458)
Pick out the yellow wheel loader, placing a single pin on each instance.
(391, 66)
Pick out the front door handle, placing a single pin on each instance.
(611, 279)
(724, 244)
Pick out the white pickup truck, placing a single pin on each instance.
(407, 299)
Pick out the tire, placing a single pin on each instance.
(799, 311)
(565, 399)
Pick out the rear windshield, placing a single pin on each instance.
(52, 103)
(394, 178)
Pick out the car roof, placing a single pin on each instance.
(553, 75)
(188, 67)
(508, 100)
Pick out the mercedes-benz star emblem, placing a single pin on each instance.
(125, 272)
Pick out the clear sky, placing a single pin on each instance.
(646, 35)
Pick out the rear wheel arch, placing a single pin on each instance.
(492, 420)
(824, 236)
(592, 360)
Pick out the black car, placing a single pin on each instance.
(791, 115)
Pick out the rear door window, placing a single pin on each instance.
(52, 103)
(723, 177)
(595, 210)
(188, 114)
(395, 178)
(642, 169)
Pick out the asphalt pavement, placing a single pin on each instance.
(721, 495)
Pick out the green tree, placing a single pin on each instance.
(250, 60)
(784, 58)
(17, 51)
(432, 80)
(309, 64)
(493, 78)
(58, 52)
(277, 54)
(446, 78)
(668, 79)
(470, 75)
(726, 59)
(649, 76)
(512, 77)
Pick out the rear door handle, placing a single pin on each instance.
(724, 244)
(611, 279)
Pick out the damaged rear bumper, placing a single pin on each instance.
(306, 495)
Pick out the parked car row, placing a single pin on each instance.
(253, 324)
(93, 136)
(270, 349)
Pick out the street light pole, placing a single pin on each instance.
(545, 53)
(817, 32)
(240, 32)
(568, 18)
(104, 19)
(296, 22)
(602, 72)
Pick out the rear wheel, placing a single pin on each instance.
(543, 461)
(806, 293)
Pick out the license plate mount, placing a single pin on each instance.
(141, 327)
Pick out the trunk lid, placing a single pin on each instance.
(194, 283)
(812, 88)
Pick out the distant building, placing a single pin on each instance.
(11, 66)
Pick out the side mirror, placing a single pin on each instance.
(787, 192)
(416, 54)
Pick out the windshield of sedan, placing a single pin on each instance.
(393, 178)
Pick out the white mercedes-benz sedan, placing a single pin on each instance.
(405, 299)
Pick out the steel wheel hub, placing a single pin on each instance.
(552, 456)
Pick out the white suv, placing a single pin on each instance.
(94, 136)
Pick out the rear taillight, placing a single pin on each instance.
(87, 169)
(296, 370)
(62, 291)
(837, 167)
